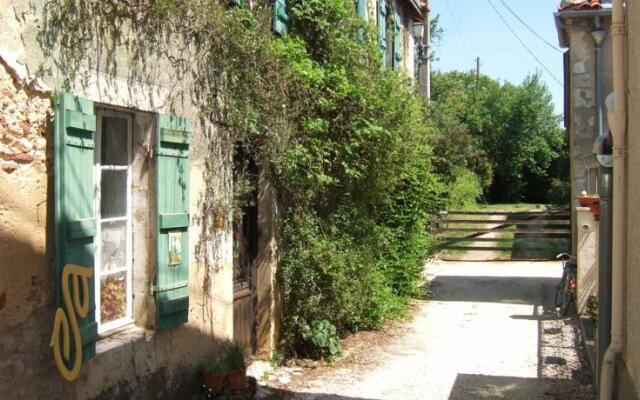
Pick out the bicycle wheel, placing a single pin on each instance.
(569, 293)
(566, 303)
(559, 298)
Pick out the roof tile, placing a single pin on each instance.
(580, 5)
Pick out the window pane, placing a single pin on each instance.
(114, 141)
(113, 189)
(113, 245)
(113, 297)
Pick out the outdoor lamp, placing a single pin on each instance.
(603, 146)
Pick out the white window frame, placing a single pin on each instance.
(128, 269)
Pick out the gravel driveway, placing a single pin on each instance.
(488, 332)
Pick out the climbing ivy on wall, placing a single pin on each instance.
(345, 140)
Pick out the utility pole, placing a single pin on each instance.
(478, 73)
(425, 64)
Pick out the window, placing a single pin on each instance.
(95, 170)
(113, 282)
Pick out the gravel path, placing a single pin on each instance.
(488, 332)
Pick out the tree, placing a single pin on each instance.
(508, 135)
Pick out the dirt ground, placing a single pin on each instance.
(489, 331)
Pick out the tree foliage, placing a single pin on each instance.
(507, 134)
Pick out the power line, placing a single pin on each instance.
(529, 28)
(460, 35)
(524, 45)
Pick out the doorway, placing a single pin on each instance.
(245, 250)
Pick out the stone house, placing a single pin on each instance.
(583, 29)
(119, 273)
(398, 23)
(118, 277)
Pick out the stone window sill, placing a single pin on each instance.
(121, 337)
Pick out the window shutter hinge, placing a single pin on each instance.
(164, 288)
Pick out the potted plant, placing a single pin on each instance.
(213, 375)
(591, 201)
(236, 367)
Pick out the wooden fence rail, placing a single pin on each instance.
(538, 231)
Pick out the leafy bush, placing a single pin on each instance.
(559, 191)
(465, 190)
(356, 184)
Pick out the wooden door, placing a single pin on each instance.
(245, 249)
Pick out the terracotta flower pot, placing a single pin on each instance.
(213, 381)
(593, 202)
(237, 380)
(587, 201)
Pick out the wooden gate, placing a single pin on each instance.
(515, 235)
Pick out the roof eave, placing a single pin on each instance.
(559, 17)
(415, 7)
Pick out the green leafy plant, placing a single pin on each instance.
(234, 358)
(465, 189)
(323, 339)
(591, 309)
(213, 366)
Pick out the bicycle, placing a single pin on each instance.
(566, 290)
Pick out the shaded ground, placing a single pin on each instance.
(489, 332)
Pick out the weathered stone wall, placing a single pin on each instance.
(630, 377)
(26, 274)
(583, 126)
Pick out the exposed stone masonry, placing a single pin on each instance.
(24, 116)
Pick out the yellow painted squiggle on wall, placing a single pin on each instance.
(66, 323)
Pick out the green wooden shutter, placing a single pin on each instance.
(382, 28)
(362, 9)
(75, 224)
(280, 17)
(397, 42)
(172, 190)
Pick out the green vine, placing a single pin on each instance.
(344, 140)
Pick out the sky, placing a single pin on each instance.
(473, 29)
